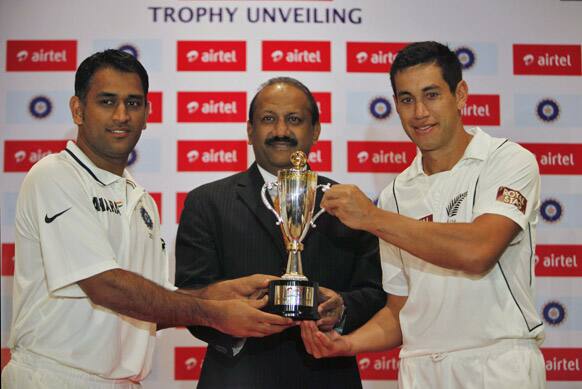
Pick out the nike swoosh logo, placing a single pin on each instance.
(48, 219)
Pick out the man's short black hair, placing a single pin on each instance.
(429, 52)
(293, 82)
(115, 59)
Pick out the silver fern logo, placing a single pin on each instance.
(455, 204)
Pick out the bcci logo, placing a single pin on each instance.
(129, 49)
(548, 110)
(554, 313)
(40, 107)
(132, 158)
(551, 210)
(380, 108)
(466, 57)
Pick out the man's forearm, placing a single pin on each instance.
(132, 295)
(470, 247)
(381, 333)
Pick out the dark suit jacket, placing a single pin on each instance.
(227, 232)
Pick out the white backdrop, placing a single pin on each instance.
(206, 59)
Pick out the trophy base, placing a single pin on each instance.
(296, 299)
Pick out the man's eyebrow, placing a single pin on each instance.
(110, 94)
(430, 87)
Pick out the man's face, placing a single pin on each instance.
(111, 118)
(429, 112)
(281, 125)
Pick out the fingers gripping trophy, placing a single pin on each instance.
(294, 295)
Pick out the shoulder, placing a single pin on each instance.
(53, 169)
(218, 187)
(509, 154)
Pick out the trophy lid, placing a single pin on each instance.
(298, 160)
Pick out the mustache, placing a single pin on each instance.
(278, 139)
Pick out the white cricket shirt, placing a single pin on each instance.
(74, 220)
(449, 310)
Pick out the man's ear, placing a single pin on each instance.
(316, 132)
(147, 114)
(250, 131)
(461, 94)
(76, 106)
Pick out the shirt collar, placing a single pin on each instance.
(267, 177)
(104, 177)
(478, 148)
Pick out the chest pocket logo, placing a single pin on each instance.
(455, 204)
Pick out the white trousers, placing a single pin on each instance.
(29, 371)
(508, 364)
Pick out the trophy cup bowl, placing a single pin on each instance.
(294, 295)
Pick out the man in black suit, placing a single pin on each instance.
(227, 232)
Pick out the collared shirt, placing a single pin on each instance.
(73, 221)
(449, 310)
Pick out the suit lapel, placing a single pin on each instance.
(249, 189)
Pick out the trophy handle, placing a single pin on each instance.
(324, 188)
(268, 186)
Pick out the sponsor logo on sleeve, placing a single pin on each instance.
(320, 156)
(157, 196)
(381, 157)
(188, 362)
(557, 158)
(41, 55)
(379, 365)
(180, 198)
(155, 99)
(512, 197)
(371, 57)
(207, 107)
(323, 100)
(8, 259)
(539, 59)
(212, 56)
(210, 155)
(21, 155)
(311, 56)
(558, 260)
(481, 110)
(563, 364)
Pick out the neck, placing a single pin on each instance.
(436, 161)
(115, 166)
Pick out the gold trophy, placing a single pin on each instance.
(294, 295)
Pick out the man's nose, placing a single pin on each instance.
(121, 113)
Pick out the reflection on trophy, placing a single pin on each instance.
(294, 295)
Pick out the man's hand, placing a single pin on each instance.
(328, 344)
(349, 204)
(330, 309)
(243, 318)
(250, 287)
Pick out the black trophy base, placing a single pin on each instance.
(296, 299)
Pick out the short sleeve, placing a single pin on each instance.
(394, 280)
(55, 209)
(509, 185)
